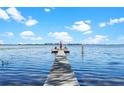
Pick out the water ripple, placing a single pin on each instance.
(99, 65)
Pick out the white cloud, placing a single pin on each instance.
(112, 22)
(61, 36)
(87, 32)
(47, 9)
(36, 38)
(27, 34)
(21, 43)
(15, 14)
(3, 15)
(1, 41)
(102, 24)
(82, 26)
(31, 22)
(121, 19)
(9, 33)
(30, 35)
(98, 39)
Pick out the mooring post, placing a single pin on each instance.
(82, 48)
(60, 45)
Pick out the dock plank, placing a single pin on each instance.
(61, 73)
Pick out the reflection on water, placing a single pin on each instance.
(24, 65)
(100, 65)
(30, 65)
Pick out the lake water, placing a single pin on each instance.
(31, 64)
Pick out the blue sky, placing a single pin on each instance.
(33, 25)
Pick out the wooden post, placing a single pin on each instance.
(60, 45)
(82, 48)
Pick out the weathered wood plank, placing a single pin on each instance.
(61, 73)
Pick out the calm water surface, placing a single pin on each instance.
(98, 65)
(25, 65)
(30, 65)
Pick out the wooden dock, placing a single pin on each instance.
(61, 73)
(56, 50)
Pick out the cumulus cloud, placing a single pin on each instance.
(1, 41)
(31, 22)
(36, 38)
(98, 39)
(47, 9)
(3, 15)
(82, 26)
(15, 14)
(102, 24)
(112, 22)
(61, 36)
(9, 33)
(29, 35)
(21, 43)
(87, 32)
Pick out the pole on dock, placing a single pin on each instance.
(60, 45)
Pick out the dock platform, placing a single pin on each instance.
(56, 50)
(61, 73)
